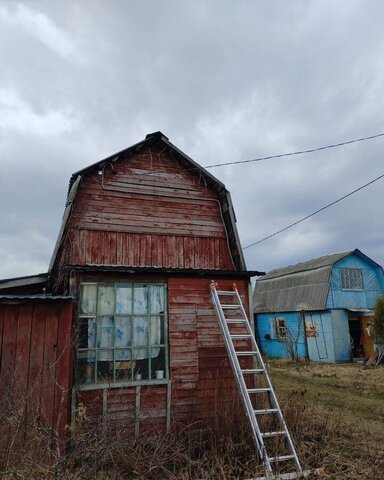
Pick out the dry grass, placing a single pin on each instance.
(339, 412)
(335, 414)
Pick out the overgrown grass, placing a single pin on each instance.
(335, 415)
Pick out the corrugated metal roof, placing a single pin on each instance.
(324, 261)
(303, 286)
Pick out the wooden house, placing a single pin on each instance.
(143, 234)
(320, 309)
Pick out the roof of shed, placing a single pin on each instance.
(224, 196)
(303, 286)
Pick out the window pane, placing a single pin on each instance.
(124, 299)
(88, 300)
(141, 335)
(87, 332)
(124, 369)
(104, 332)
(86, 366)
(158, 363)
(156, 298)
(104, 366)
(123, 331)
(155, 329)
(106, 300)
(140, 299)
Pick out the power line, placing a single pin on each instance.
(300, 152)
(314, 213)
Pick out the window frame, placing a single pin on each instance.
(115, 383)
(345, 278)
(280, 329)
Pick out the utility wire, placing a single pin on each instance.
(300, 152)
(314, 213)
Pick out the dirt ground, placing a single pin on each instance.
(336, 416)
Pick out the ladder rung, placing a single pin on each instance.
(237, 337)
(235, 320)
(244, 354)
(281, 458)
(223, 292)
(265, 411)
(252, 370)
(230, 307)
(273, 434)
(258, 390)
(289, 476)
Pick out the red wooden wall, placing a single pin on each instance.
(150, 211)
(35, 367)
(200, 372)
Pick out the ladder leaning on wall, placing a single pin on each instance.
(271, 436)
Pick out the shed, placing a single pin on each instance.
(143, 233)
(320, 308)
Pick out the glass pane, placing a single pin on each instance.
(140, 299)
(87, 332)
(124, 369)
(158, 371)
(86, 366)
(105, 366)
(106, 300)
(156, 327)
(156, 298)
(88, 300)
(104, 332)
(141, 334)
(123, 331)
(124, 299)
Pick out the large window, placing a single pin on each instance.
(351, 279)
(122, 333)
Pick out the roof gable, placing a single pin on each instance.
(160, 143)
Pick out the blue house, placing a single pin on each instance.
(320, 309)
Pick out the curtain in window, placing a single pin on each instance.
(132, 334)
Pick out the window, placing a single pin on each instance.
(351, 279)
(279, 329)
(122, 333)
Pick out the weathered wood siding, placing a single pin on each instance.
(200, 372)
(147, 210)
(35, 369)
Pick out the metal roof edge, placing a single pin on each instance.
(172, 271)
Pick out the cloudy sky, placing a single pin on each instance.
(225, 81)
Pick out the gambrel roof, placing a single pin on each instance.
(304, 285)
(227, 212)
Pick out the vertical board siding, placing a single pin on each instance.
(35, 372)
(147, 213)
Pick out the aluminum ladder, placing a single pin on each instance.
(256, 391)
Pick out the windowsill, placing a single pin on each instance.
(352, 289)
(139, 383)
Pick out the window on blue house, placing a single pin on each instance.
(122, 333)
(279, 329)
(351, 279)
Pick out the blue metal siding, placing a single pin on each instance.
(320, 347)
(372, 281)
(274, 347)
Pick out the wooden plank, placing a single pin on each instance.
(8, 356)
(36, 359)
(63, 377)
(48, 377)
(22, 365)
